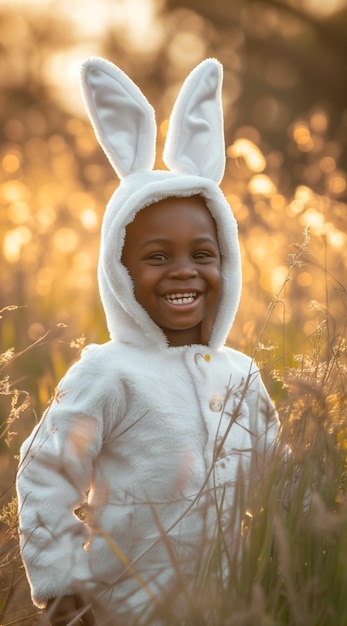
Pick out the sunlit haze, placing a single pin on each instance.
(90, 20)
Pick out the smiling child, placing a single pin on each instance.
(149, 432)
(171, 252)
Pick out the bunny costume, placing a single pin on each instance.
(152, 435)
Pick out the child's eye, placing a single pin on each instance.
(203, 254)
(157, 256)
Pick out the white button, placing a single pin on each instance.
(216, 404)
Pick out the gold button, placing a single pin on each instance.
(216, 404)
(199, 355)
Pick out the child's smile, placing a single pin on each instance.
(181, 298)
(171, 252)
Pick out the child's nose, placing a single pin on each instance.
(182, 269)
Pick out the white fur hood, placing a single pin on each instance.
(194, 152)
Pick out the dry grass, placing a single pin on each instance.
(289, 564)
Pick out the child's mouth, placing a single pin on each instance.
(181, 298)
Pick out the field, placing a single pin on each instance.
(293, 566)
(286, 144)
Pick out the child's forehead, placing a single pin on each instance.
(176, 221)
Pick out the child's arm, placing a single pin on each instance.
(54, 474)
(51, 483)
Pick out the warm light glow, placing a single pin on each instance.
(86, 143)
(14, 240)
(19, 212)
(94, 173)
(35, 331)
(337, 183)
(239, 209)
(278, 202)
(36, 149)
(44, 278)
(81, 261)
(56, 181)
(251, 154)
(186, 49)
(304, 279)
(335, 237)
(324, 8)
(258, 253)
(314, 220)
(79, 202)
(135, 22)
(261, 185)
(82, 280)
(273, 279)
(65, 239)
(46, 217)
(296, 207)
(302, 137)
(319, 121)
(56, 143)
(11, 162)
(303, 194)
(327, 164)
(89, 219)
(14, 191)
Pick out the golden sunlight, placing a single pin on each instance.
(272, 279)
(247, 150)
(14, 240)
(92, 21)
(285, 122)
(65, 239)
(11, 161)
(324, 8)
(302, 137)
(261, 185)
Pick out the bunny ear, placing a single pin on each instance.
(123, 119)
(195, 138)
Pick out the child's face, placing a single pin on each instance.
(171, 252)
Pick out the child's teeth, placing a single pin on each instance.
(181, 298)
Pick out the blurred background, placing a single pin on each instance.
(285, 105)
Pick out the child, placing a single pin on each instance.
(153, 426)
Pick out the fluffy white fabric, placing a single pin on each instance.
(136, 423)
(139, 428)
(195, 152)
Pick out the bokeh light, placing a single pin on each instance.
(286, 141)
(285, 121)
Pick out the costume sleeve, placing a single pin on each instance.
(54, 475)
